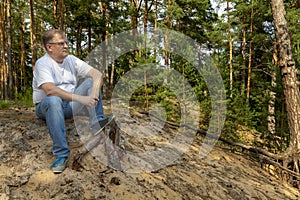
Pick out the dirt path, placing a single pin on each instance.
(25, 156)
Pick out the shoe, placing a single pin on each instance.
(59, 165)
(102, 123)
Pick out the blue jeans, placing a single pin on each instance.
(55, 110)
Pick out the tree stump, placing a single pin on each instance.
(109, 137)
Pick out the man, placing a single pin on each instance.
(57, 96)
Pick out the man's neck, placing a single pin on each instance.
(59, 61)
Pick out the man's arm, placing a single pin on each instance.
(51, 90)
(97, 77)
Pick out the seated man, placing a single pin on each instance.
(56, 95)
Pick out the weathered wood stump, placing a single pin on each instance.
(109, 137)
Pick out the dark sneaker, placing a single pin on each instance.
(102, 124)
(59, 165)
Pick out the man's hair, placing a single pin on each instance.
(49, 35)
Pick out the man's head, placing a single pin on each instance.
(56, 44)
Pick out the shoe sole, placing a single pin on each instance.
(105, 125)
(58, 170)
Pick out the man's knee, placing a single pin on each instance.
(89, 82)
(54, 101)
(52, 104)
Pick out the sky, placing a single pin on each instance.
(216, 4)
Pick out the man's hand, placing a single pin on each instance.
(89, 101)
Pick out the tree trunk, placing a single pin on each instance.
(112, 71)
(250, 54)
(290, 87)
(271, 108)
(169, 25)
(243, 50)
(230, 51)
(134, 17)
(55, 11)
(146, 15)
(9, 51)
(107, 78)
(1, 54)
(156, 15)
(33, 36)
(62, 15)
(166, 41)
(22, 46)
(3, 70)
(271, 119)
(288, 72)
(78, 41)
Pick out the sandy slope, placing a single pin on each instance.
(25, 156)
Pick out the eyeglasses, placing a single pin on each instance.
(59, 43)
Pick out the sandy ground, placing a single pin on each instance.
(25, 157)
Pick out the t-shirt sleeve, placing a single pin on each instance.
(82, 67)
(43, 74)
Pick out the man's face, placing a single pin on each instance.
(58, 47)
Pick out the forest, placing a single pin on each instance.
(255, 45)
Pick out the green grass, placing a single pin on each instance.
(4, 104)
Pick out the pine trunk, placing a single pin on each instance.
(9, 52)
(104, 37)
(288, 72)
(62, 15)
(230, 51)
(3, 47)
(33, 35)
(243, 50)
(23, 52)
(250, 54)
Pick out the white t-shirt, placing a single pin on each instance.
(64, 76)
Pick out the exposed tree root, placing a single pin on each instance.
(286, 164)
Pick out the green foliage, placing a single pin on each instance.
(4, 104)
(239, 113)
(152, 95)
(21, 100)
(24, 99)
